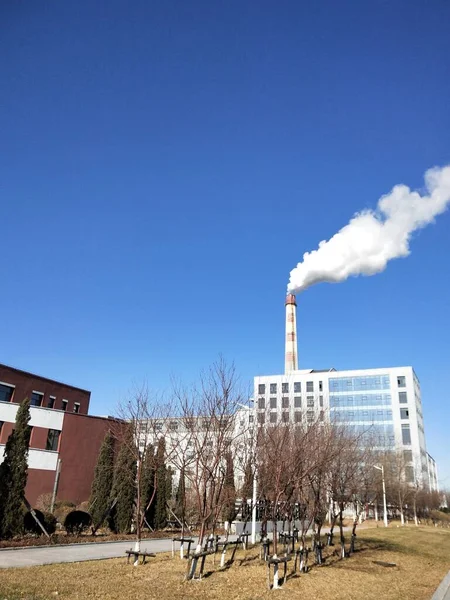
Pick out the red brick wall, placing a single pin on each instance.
(26, 383)
(78, 450)
(39, 482)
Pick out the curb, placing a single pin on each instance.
(443, 591)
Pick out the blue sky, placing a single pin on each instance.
(164, 165)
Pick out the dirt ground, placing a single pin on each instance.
(422, 556)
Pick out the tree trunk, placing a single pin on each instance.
(341, 531)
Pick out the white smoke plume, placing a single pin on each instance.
(373, 238)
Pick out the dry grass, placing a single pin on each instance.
(422, 556)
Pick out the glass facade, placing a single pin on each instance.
(350, 384)
(364, 415)
(360, 400)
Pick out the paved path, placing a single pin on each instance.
(28, 557)
(47, 555)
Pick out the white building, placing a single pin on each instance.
(382, 404)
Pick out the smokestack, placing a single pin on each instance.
(290, 357)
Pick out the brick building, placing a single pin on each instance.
(62, 433)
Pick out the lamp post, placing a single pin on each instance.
(385, 519)
(255, 495)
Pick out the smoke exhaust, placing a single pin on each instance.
(373, 238)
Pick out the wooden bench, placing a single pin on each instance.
(137, 554)
(182, 541)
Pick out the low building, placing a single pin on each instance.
(64, 439)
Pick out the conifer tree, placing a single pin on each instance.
(229, 491)
(124, 487)
(13, 474)
(247, 489)
(161, 486)
(180, 497)
(148, 495)
(100, 499)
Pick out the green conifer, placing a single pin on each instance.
(100, 499)
(148, 486)
(161, 486)
(229, 491)
(13, 474)
(124, 487)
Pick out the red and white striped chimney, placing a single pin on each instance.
(290, 356)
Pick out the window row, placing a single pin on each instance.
(284, 417)
(297, 387)
(53, 436)
(361, 415)
(37, 399)
(360, 400)
(350, 384)
(285, 402)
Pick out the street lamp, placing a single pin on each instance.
(385, 519)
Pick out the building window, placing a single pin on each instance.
(320, 386)
(285, 388)
(76, 407)
(64, 404)
(321, 401)
(261, 418)
(310, 416)
(409, 474)
(321, 415)
(261, 403)
(402, 398)
(173, 425)
(401, 381)
(273, 388)
(297, 417)
(407, 455)
(251, 418)
(310, 386)
(36, 399)
(1, 426)
(310, 401)
(51, 402)
(273, 403)
(6, 392)
(404, 413)
(53, 440)
(297, 387)
(297, 401)
(273, 417)
(285, 417)
(262, 388)
(285, 402)
(406, 435)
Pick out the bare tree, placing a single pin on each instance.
(208, 413)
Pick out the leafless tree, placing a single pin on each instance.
(208, 412)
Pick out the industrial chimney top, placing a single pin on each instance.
(290, 299)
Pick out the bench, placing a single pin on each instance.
(182, 541)
(137, 554)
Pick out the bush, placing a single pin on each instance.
(77, 521)
(44, 502)
(47, 520)
(62, 509)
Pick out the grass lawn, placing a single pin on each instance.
(422, 556)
